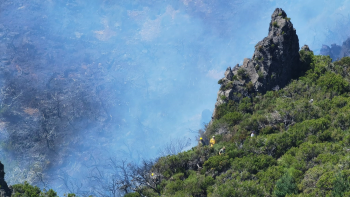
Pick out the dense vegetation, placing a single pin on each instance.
(302, 147)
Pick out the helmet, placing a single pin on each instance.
(200, 138)
(152, 174)
(213, 136)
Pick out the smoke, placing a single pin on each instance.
(84, 81)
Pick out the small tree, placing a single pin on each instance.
(340, 185)
(285, 185)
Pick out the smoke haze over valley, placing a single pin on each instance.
(85, 81)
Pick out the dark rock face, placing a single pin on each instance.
(274, 63)
(4, 189)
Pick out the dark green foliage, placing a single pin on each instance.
(260, 74)
(275, 24)
(217, 163)
(340, 185)
(306, 62)
(220, 81)
(333, 82)
(232, 118)
(242, 73)
(257, 67)
(287, 19)
(234, 78)
(253, 164)
(250, 87)
(345, 61)
(285, 185)
(26, 190)
(229, 85)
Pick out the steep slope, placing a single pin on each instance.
(303, 142)
(274, 63)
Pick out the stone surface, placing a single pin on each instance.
(275, 62)
(336, 52)
(4, 189)
(345, 49)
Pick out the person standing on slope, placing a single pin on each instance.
(201, 142)
(212, 141)
(222, 151)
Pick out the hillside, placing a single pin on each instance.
(297, 102)
(302, 146)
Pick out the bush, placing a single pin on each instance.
(232, 118)
(333, 82)
(275, 24)
(217, 163)
(234, 78)
(253, 164)
(285, 185)
(340, 185)
(223, 97)
(242, 73)
(25, 190)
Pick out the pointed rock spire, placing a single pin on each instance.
(275, 62)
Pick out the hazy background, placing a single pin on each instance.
(165, 57)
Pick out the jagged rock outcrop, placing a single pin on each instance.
(4, 189)
(336, 52)
(345, 49)
(275, 62)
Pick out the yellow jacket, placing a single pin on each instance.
(212, 142)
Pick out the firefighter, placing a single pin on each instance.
(212, 141)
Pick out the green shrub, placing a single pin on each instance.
(275, 24)
(25, 190)
(253, 164)
(285, 185)
(229, 85)
(217, 163)
(220, 81)
(340, 185)
(242, 73)
(345, 61)
(232, 118)
(223, 97)
(333, 82)
(260, 74)
(234, 78)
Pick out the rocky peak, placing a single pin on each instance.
(274, 63)
(336, 52)
(345, 49)
(4, 189)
